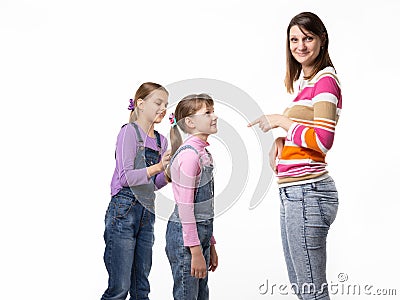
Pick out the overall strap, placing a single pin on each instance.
(158, 140)
(209, 156)
(181, 149)
(139, 137)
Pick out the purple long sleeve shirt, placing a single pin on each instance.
(124, 174)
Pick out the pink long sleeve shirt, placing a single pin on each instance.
(185, 173)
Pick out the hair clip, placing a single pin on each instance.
(131, 104)
(172, 119)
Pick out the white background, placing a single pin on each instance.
(67, 70)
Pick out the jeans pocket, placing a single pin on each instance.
(292, 193)
(329, 207)
(148, 218)
(123, 205)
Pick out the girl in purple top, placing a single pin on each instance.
(141, 157)
(190, 244)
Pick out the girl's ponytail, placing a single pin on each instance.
(134, 116)
(176, 139)
(176, 142)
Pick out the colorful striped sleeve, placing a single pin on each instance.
(319, 134)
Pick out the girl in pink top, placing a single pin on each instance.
(190, 244)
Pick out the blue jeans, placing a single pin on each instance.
(187, 287)
(129, 237)
(307, 211)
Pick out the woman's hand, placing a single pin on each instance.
(276, 152)
(213, 259)
(268, 122)
(199, 267)
(263, 122)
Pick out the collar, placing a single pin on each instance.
(196, 142)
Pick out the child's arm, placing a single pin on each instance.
(184, 172)
(213, 258)
(198, 265)
(125, 157)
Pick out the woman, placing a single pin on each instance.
(309, 199)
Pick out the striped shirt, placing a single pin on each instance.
(315, 112)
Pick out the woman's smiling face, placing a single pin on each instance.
(304, 46)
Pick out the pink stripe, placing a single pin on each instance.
(295, 173)
(285, 167)
(324, 85)
(300, 169)
(325, 137)
(297, 134)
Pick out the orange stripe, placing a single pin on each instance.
(304, 122)
(290, 152)
(312, 123)
(325, 126)
(325, 121)
(311, 140)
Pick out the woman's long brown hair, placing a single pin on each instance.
(312, 23)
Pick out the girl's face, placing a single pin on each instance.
(154, 107)
(204, 121)
(304, 47)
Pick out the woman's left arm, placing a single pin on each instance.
(268, 122)
(317, 134)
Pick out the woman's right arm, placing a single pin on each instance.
(275, 152)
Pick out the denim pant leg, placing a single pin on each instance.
(310, 210)
(203, 283)
(140, 286)
(120, 246)
(288, 258)
(186, 287)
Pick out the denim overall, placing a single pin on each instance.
(187, 287)
(129, 232)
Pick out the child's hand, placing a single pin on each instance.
(199, 267)
(165, 159)
(213, 259)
